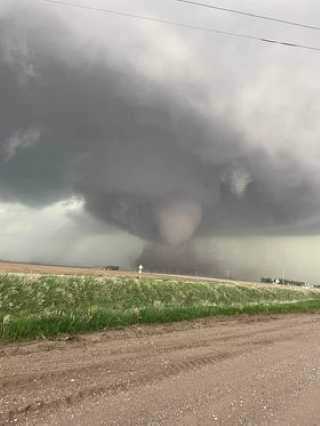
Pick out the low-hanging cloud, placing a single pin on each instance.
(160, 147)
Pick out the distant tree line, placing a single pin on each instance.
(283, 281)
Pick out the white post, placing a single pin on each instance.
(140, 270)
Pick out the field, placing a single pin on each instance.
(35, 306)
(29, 268)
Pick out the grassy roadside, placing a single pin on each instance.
(32, 307)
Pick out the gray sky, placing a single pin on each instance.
(123, 140)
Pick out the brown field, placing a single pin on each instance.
(37, 269)
(29, 268)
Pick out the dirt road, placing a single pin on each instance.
(240, 371)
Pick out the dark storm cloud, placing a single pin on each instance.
(140, 151)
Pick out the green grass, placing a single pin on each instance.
(32, 307)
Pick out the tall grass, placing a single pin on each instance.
(32, 307)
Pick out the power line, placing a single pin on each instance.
(251, 15)
(181, 25)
